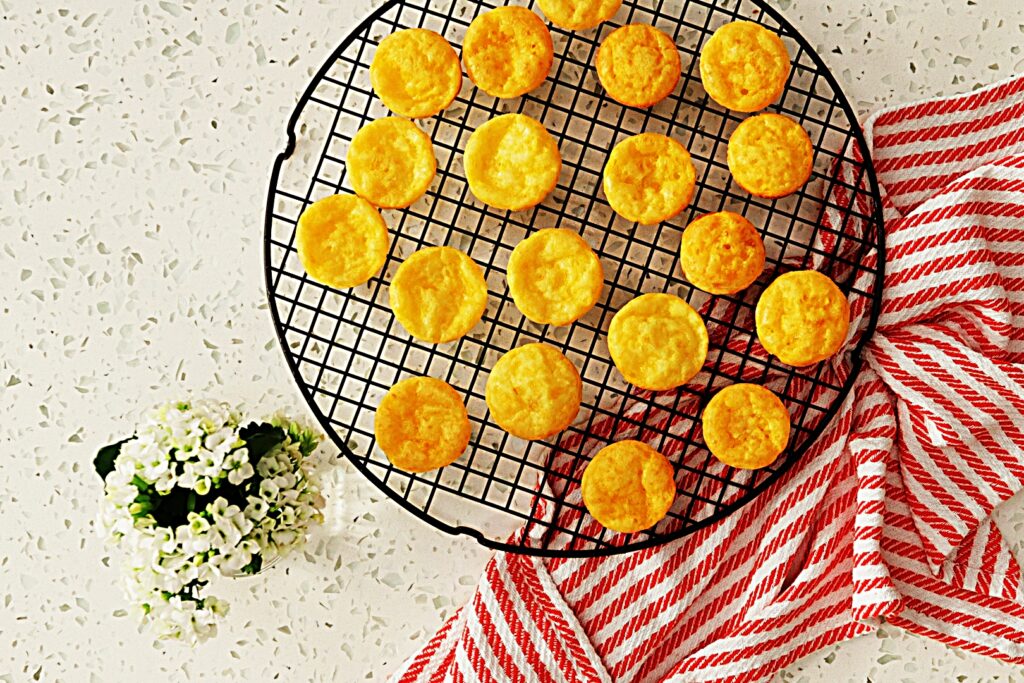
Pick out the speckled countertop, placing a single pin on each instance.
(135, 143)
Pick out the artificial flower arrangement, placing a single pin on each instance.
(194, 495)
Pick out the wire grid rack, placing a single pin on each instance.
(346, 350)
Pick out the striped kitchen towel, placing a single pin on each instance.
(887, 515)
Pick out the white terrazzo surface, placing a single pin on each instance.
(135, 143)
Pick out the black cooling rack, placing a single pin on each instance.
(346, 350)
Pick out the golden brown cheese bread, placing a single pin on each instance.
(422, 424)
(628, 486)
(802, 317)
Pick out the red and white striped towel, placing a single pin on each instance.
(886, 516)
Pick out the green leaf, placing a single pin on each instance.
(254, 565)
(260, 439)
(104, 460)
(171, 510)
(307, 440)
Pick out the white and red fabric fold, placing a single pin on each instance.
(887, 515)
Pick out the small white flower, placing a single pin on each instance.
(239, 474)
(189, 475)
(183, 456)
(222, 439)
(285, 481)
(268, 489)
(284, 537)
(203, 485)
(259, 536)
(288, 497)
(123, 526)
(238, 467)
(165, 482)
(218, 607)
(153, 464)
(169, 563)
(235, 559)
(198, 524)
(121, 494)
(188, 572)
(219, 507)
(193, 538)
(266, 466)
(208, 463)
(256, 509)
(164, 541)
(287, 517)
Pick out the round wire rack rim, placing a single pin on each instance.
(525, 548)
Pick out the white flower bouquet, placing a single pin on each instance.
(192, 496)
